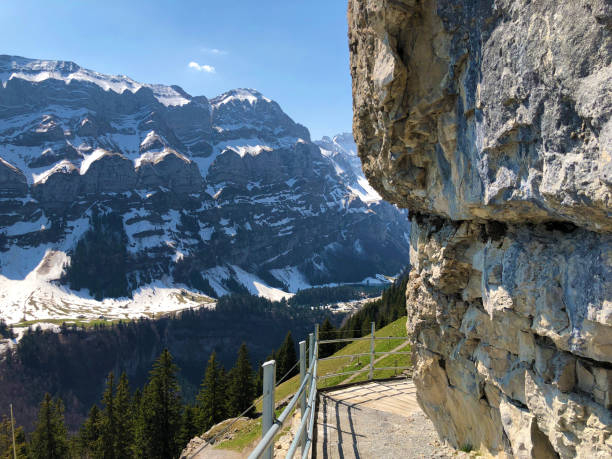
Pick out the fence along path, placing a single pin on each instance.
(306, 395)
(308, 384)
(394, 351)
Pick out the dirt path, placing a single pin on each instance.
(376, 420)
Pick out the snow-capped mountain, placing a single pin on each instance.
(213, 196)
(342, 151)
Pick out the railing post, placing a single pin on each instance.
(303, 397)
(371, 375)
(269, 381)
(310, 348)
(316, 346)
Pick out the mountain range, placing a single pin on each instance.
(107, 182)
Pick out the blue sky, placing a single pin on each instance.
(293, 51)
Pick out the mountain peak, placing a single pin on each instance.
(239, 95)
(343, 142)
(344, 137)
(39, 70)
(17, 63)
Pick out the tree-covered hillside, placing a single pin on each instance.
(73, 364)
(99, 260)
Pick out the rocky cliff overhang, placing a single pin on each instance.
(491, 122)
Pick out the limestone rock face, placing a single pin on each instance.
(169, 169)
(491, 122)
(108, 173)
(58, 186)
(12, 180)
(509, 329)
(493, 110)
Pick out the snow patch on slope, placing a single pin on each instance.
(365, 191)
(89, 159)
(291, 277)
(29, 288)
(34, 298)
(26, 227)
(256, 286)
(157, 156)
(18, 262)
(216, 277)
(64, 166)
(219, 274)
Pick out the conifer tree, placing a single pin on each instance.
(108, 422)
(88, 439)
(189, 428)
(160, 411)
(123, 418)
(137, 424)
(211, 401)
(366, 325)
(6, 441)
(49, 439)
(327, 331)
(286, 358)
(241, 388)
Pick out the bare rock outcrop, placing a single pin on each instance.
(58, 186)
(51, 156)
(106, 172)
(12, 180)
(491, 122)
(170, 169)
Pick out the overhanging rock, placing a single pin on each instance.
(491, 122)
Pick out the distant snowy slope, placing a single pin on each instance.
(342, 151)
(212, 196)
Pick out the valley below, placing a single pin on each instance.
(136, 218)
(72, 361)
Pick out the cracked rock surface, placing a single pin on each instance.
(490, 121)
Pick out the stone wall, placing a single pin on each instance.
(490, 120)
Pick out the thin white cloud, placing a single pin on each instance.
(216, 51)
(201, 67)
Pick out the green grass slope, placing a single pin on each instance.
(341, 365)
(250, 431)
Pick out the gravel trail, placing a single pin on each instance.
(376, 420)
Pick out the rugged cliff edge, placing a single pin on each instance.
(491, 122)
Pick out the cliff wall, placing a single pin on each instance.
(490, 121)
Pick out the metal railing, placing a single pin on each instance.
(308, 385)
(372, 354)
(306, 395)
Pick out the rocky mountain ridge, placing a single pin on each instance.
(491, 122)
(215, 196)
